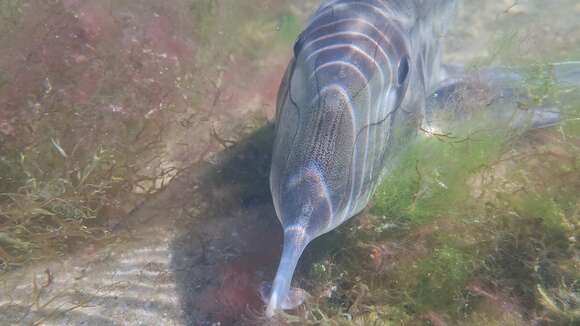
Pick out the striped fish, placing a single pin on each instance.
(351, 96)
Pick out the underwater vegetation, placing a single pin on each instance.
(95, 124)
(78, 146)
(10, 12)
(479, 227)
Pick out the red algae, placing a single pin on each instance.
(236, 293)
(95, 20)
(87, 54)
(164, 42)
(235, 296)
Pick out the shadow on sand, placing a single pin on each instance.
(227, 238)
(196, 254)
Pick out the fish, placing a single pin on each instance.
(496, 97)
(351, 97)
(365, 79)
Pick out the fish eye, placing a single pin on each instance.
(403, 70)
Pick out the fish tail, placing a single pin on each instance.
(294, 244)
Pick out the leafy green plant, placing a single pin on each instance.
(478, 227)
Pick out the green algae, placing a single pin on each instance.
(59, 201)
(288, 27)
(444, 273)
(519, 245)
(70, 184)
(224, 31)
(430, 176)
(10, 14)
(480, 228)
(446, 229)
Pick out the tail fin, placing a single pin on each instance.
(295, 240)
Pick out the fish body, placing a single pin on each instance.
(496, 98)
(352, 96)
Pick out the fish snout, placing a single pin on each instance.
(305, 201)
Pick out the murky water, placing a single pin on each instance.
(135, 144)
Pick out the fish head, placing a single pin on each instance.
(322, 127)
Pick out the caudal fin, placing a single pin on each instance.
(295, 240)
